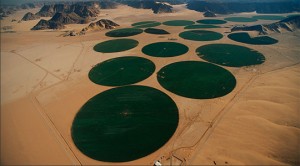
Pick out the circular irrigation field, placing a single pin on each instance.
(230, 55)
(123, 124)
(211, 21)
(156, 31)
(240, 19)
(146, 24)
(116, 45)
(179, 23)
(198, 26)
(121, 71)
(268, 17)
(244, 37)
(197, 80)
(124, 32)
(200, 35)
(165, 49)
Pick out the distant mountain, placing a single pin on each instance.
(82, 9)
(235, 6)
(157, 7)
(288, 24)
(30, 16)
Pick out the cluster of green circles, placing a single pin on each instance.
(124, 123)
(200, 35)
(121, 71)
(244, 37)
(230, 55)
(124, 32)
(240, 19)
(146, 24)
(211, 21)
(128, 122)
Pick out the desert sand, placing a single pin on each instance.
(44, 83)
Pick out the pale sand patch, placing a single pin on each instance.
(262, 127)
(67, 60)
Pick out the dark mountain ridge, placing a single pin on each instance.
(229, 7)
(288, 24)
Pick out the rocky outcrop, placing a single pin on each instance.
(30, 16)
(101, 24)
(70, 18)
(209, 14)
(288, 24)
(260, 6)
(44, 24)
(162, 8)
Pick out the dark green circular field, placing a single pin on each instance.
(124, 124)
(116, 45)
(200, 35)
(240, 19)
(165, 49)
(244, 37)
(146, 24)
(230, 55)
(179, 23)
(121, 71)
(268, 17)
(156, 31)
(125, 32)
(200, 26)
(197, 80)
(211, 21)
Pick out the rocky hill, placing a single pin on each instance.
(209, 14)
(101, 24)
(162, 8)
(59, 20)
(44, 24)
(30, 16)
(288, 24)
(260, 6)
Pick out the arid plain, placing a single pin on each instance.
(44, 82)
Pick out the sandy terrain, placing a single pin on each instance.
(44, 83)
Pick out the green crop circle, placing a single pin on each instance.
(165, 49)
(116, 45)
(200, 35)
(179, 23)
(211, 21)
(230, 55)
(121, 71)
(124, 124)
(124, 32)
(197, 80)
(244, 37)
(240, 19)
